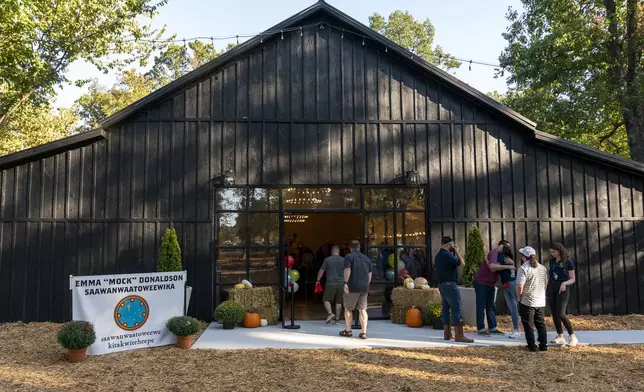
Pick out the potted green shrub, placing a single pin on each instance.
(230, 313)
(474, 256)
(76, 336)
(170, 258)
(184, 328)
(432, 315)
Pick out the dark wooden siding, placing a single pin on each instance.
(311, 108)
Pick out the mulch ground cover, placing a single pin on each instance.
(31, 360)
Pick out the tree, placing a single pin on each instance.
(172, 62)
(576, 69)
(170, 253)
(417, 36)
(474, 255)
(39, 40)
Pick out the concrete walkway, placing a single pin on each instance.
(382, 333)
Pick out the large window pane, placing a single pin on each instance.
(378, 199)
(264, 199)
(320, 198)
(412, 229)
(231, 198)
(380, 228)
(232, 229)
(410, 199)
(264, 229)
(232, 265)
(263, 266)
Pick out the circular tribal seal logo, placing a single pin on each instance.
(131, 312)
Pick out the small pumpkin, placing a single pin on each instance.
(263, 323)
(240, 286)
(410, 285)
(414, 318)
(425, 287)
(247, 284)
(252, 320)
(420, 282)
(407, 281)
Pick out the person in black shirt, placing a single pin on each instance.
(357, 277)
(447, 261)
(561, 275)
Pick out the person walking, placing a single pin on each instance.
(447, 261)
(561, 274)
(484, 287)
(334, 288)
(357, 277)
(531, 290)
(509, 279)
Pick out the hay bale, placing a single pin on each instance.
(264, 299)
(398, 314)
(407, 298)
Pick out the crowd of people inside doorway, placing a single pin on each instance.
(527, 289)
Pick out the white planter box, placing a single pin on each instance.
(468, 298)
(188, 293)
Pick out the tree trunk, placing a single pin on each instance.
(633, 101)
(635, 131)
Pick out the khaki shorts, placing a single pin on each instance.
(333, 293)
(355, 301)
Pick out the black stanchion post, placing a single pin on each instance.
(290, 289)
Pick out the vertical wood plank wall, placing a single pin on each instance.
(312, 108)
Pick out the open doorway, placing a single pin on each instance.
(309, 238)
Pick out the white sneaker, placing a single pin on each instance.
(515, 335)
(559, 340)
(573, 340)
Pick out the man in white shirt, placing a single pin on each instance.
(532, 280)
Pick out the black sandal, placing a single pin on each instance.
(363, 335)
(346, 333)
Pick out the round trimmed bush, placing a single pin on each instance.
(230, 312)
(76, 335)
(183, 325)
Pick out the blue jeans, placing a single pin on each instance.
(511, 301)
(485, 305)
(451, 299)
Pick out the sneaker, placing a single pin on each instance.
(496, 332)
(483, 332)
(573, 340)
(515, 335)
(532, 348)
(330, 318)
(543, 348)
(559, 340)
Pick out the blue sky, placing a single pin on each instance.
(469, 29)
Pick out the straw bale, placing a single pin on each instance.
(264, 299)
(407, 298)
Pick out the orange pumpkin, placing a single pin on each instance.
(414, 318)
(252, 320)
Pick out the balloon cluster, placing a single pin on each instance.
(293, 275)
(390, 274)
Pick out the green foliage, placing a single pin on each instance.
(474, 255)
(170, 253)
(75, 335)
(40, 39)
(576, 68)
(183, 325)
(432, 311)
(415, 35)
(230, 312)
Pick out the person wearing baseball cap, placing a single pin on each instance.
(532, 280)
(447, 261)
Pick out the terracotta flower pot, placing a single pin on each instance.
(184, 342)
(75, 356)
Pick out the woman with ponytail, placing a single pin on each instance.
(531, 284)
(561, 275)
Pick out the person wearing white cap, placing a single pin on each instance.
(532, 280)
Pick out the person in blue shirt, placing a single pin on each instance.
(561, 274)
(509, 280)
(447, 262)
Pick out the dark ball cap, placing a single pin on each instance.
(447, 240)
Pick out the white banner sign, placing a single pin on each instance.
(128, 311)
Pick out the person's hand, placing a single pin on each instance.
(562, 288)
(512, 267)
(346, 288)
(455, 248)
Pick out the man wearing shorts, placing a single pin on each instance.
(357, 277)
(334, 288)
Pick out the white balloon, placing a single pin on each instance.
(401, 265)
(293, 288)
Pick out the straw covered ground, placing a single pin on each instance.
(31, 360)
(582, 323)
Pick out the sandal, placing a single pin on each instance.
(363, 335)
(346, 333)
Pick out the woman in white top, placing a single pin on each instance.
(532, 280)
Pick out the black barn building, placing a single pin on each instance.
(318, 105)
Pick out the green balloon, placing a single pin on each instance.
(294, 275)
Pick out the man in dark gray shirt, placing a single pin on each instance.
(357, 277)
(334, 288)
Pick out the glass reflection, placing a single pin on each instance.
(264, 199)
(231, 198)
(231, 229)
(377, 199)
(319, 198)
(410, 199)
(233, 265)
(264, 229)
(263, 266)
